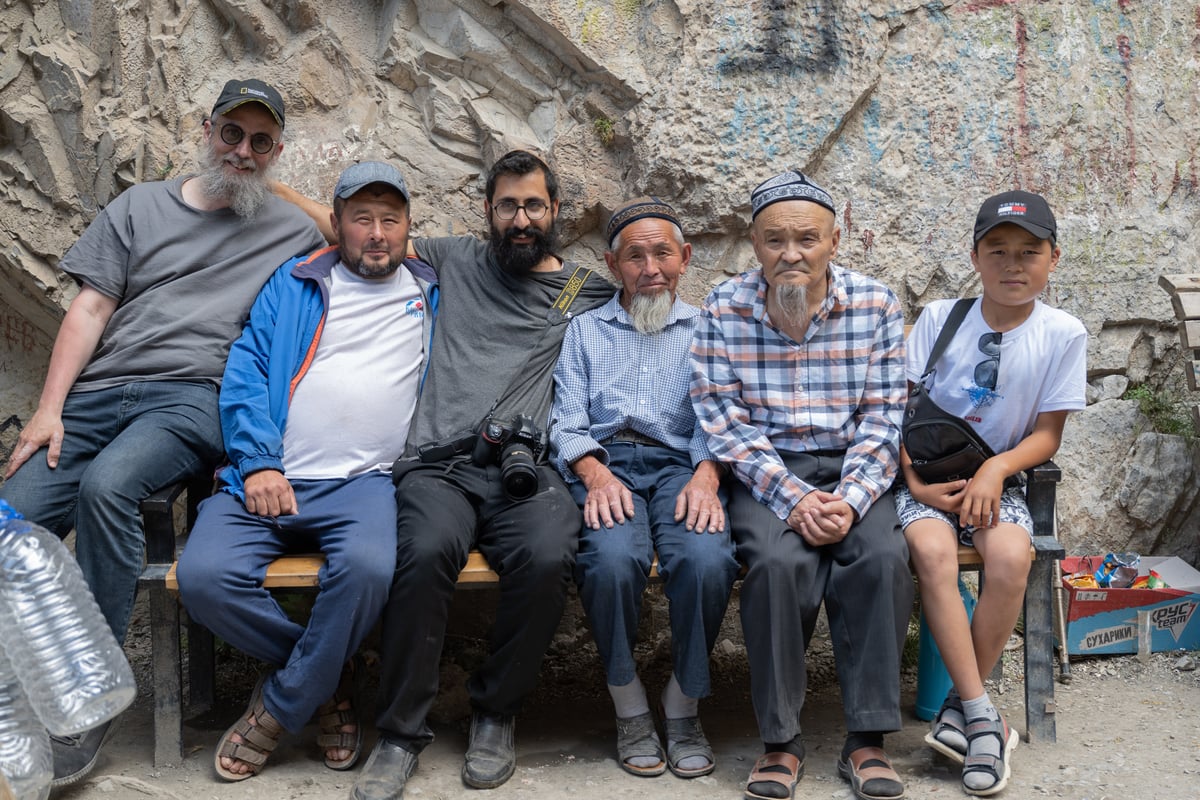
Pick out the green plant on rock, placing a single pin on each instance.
(592, 25)
(628, 8)
(604, 130)
(1166, 414)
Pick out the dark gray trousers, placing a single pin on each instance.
(866, 586)
(443, 512)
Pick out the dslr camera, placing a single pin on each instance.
(516, 448)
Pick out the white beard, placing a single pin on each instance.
(244, 194)
(649, 312)
(789, 305)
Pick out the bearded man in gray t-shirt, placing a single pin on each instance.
(167, 273)
(504, 306)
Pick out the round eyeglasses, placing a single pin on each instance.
(507, 209)
(232, 134)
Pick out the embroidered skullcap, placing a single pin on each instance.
(641, 208)
(790, 185)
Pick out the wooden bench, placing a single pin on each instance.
(1185, 300)
(163, 544)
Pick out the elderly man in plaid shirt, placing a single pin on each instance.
(799, 385)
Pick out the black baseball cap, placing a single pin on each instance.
(1026, 209)
(236, 93)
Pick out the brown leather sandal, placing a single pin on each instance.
(332, 717)
(779, 768)
(259, 738)
(871, 776)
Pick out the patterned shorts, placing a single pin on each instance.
(1013, 509)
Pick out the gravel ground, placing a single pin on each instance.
(1125, 729)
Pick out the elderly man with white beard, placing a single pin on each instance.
(626, 440)
(167, 273)
(799, 384)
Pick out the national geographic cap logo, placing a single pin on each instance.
(255, 92)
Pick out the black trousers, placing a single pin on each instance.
(441, 514)
(865, 583)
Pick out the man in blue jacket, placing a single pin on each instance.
(315, 406)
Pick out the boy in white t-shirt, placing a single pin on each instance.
(1013, 370)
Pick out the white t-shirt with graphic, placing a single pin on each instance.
(1042, 367)
(350, 412)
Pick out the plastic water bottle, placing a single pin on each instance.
(25, 760)
(59, 644)
(933, 681)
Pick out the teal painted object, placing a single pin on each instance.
(933, 682)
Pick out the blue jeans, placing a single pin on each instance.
(613, 564)
(221, 571)
(121, 445)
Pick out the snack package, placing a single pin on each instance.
(1151, 581)
(1083, 580)
(1114, 562)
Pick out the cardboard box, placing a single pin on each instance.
(1104, 621)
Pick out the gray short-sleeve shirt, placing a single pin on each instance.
(184, 280)
(491, 326)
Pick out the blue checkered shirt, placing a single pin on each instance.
(609, 377)
(757, 391)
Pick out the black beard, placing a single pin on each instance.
(362, 270)
(520, 259)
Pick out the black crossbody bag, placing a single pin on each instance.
(942, 447)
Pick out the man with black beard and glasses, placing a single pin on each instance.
(309, 472)
(504, 306)
(167, 273)
(799, 384)
(627, 442)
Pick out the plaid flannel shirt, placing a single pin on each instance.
(758, 392)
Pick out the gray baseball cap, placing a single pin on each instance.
(357, 176)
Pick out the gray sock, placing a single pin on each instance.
(949, 736)
(630, 701)
(981, 708)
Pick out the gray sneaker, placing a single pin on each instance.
(75, 756)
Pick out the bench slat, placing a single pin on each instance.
(1189, 334)
(1186, 305)
(1179, 283)
(299, 572)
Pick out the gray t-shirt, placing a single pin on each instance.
(184, 280)
(490, 327)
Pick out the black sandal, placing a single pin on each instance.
(941, 724)
(998, 767)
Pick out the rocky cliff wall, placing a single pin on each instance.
(910, 112)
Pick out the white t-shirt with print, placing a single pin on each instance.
(350, 412)
(1042, 368)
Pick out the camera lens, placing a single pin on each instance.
(518, 475)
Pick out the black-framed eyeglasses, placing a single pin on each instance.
(507, 209)
(987, 370)
(232, 134)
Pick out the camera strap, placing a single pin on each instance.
(566, 298)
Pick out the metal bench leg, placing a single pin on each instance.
(1039, 653)
(201, 668)
(168, 677)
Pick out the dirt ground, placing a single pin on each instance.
(1125, 729)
